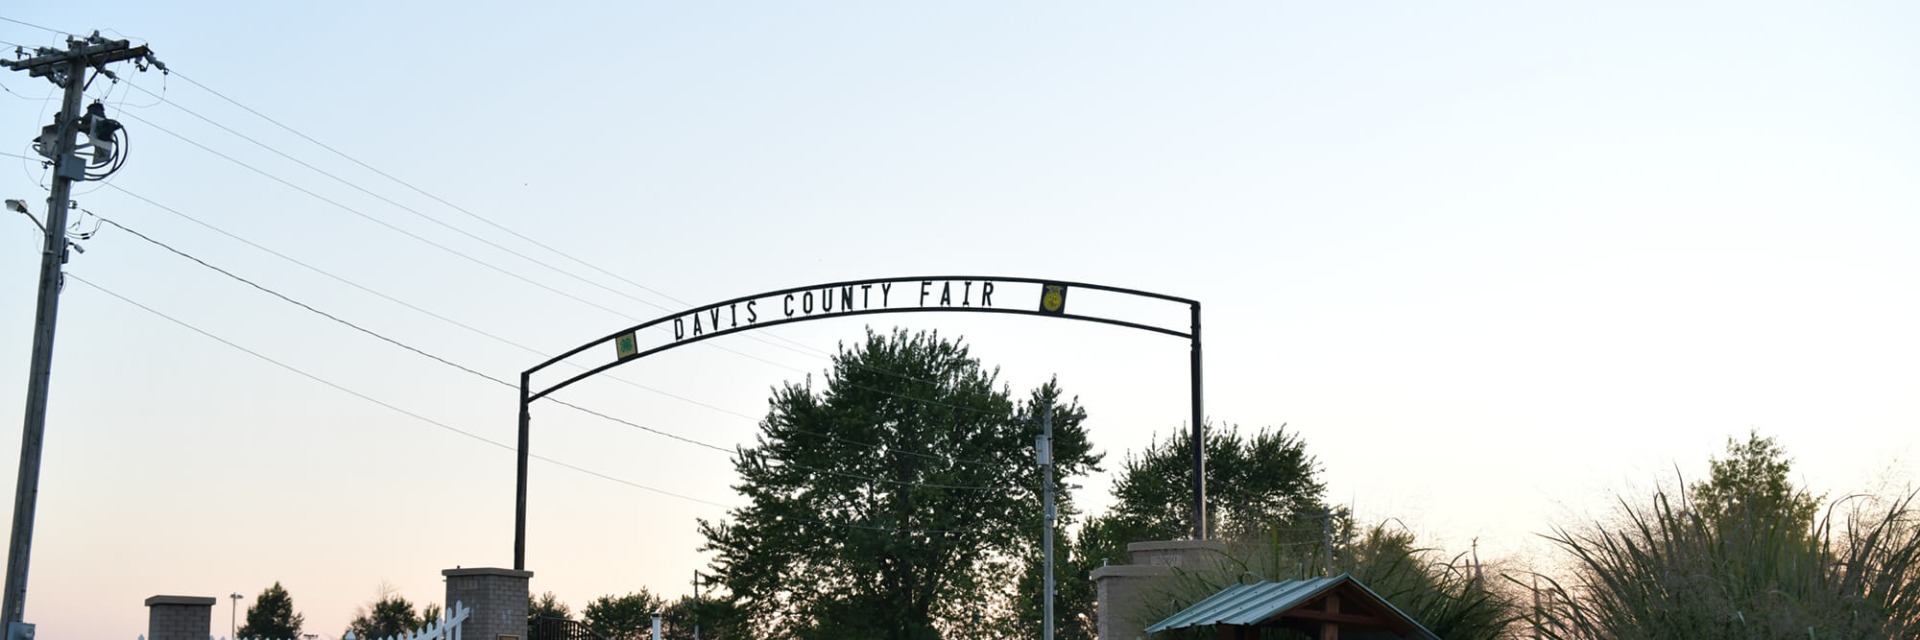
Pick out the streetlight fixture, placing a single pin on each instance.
(233, 617)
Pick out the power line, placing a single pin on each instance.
(374, 400)
(487, 221)
(408, 305)
(423, 192)
(378, 221)
(29, 24)
(500, 445)
(304, 305)
(318, 270)
(467, 433)
(16, 94)
(499, 381)
(489, 265)
(443, 318)
(403, 207)
(393, 341)
(436, 245)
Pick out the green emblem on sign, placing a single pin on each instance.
(625, 346)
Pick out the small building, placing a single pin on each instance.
(1338, 608)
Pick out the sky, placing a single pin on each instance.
(1495, 263)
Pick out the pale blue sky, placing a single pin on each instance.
(1493, 261)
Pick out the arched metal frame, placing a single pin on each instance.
(528, 394)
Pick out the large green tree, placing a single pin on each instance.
(894, 500)
(272, 616)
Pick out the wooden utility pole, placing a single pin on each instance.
(68, 70)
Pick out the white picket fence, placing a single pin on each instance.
(446, 628)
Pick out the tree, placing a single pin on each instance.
(546, 606)
(430, 613)
(1750, 485)
(272, 616)
(627, 617)
(630, 617)
(1253, 484)
(894, 500)
(1258, 485)
(388, 615)
(717, 619)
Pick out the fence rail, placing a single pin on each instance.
(547, 628)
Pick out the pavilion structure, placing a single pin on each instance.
(1337, 608)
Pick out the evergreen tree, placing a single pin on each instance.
(271, 616)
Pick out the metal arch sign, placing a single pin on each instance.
(841, 299)
(973, 294)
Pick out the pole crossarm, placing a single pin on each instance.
(94, 55)
(969, 294)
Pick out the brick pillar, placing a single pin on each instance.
(498, 598)
(1122, 591)
(179, 618)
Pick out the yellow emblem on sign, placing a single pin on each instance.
(1053, 298)
(625, 345)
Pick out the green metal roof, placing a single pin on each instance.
(1252, 604)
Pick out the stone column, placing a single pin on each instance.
(179, 618)
(498, 598)
(1121, 591)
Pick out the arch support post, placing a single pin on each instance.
(520, 484)
(1199, 436)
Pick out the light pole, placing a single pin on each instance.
(233, 617)
(1043, 451)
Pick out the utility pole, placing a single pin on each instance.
(68, 70)
(696, 604)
